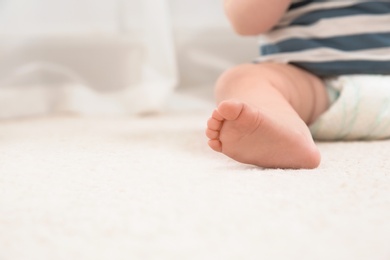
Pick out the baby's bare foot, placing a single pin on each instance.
(251, 136)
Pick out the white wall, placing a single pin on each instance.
(198, 13)
(206, 44)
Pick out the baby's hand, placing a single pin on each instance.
(253, 17)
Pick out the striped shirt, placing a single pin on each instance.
(332, 37)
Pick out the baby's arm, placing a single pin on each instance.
(253, 17)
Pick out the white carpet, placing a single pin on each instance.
(150, 188)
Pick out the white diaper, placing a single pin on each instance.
(360, 109)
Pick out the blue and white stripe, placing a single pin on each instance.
(332, 37)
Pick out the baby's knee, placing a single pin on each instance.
(238, 77)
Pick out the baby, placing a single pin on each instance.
(265, 109)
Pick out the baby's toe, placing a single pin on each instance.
(211, 134)
(214, 124)
(216, 145)
(230, 109)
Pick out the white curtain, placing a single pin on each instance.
(109, 57)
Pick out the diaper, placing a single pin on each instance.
(360, 109)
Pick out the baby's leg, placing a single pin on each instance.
(262, 115)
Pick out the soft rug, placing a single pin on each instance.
(150, 188)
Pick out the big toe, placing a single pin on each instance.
(230, 109)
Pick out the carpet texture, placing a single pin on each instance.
(150, 188)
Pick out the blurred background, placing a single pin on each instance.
(112, 57)
(206, 45)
